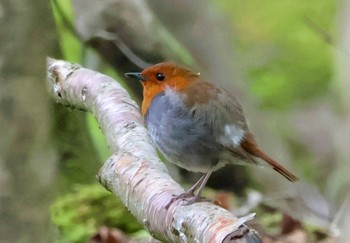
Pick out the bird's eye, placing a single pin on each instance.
(160, 76)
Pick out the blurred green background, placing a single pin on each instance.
(285, 60)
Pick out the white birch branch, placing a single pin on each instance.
(134, 172)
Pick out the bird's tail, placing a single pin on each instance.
(250, 146)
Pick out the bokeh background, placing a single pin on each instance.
(287, 61)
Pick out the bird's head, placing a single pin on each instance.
(157, 78)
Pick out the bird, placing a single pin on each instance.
(196, 124)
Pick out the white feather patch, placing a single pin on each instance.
(233, 135)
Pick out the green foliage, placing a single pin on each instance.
(79, 162)
(97, 137)
(287, 59)
(271, 221)
(80, 214)
(70, 46)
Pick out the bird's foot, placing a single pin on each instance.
(193, 194)
(190, 198)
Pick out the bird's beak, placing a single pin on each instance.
(135, 75)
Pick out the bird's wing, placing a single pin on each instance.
(223, 114)
(219, 110)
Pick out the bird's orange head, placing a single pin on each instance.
(157, 78)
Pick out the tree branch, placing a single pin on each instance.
(134, 172)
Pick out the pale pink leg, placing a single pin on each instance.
(195, 191)
(200, 184)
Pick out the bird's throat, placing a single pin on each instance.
(149, 92)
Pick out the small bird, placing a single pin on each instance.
(196, 124)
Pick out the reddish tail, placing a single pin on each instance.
(249, 145)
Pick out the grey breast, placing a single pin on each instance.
(183, 138)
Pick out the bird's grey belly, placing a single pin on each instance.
(183, 139)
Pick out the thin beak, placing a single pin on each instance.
(135, 75)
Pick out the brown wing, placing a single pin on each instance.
(220, 110)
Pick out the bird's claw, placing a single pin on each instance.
(190, 198)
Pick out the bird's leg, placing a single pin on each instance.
(196, 186)
(200, 184)
(195, 191)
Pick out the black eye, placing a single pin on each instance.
(160, 76)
